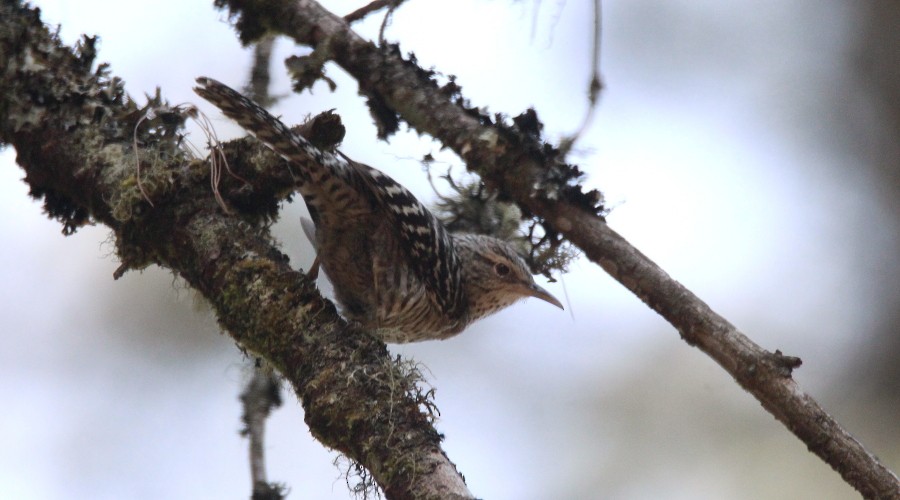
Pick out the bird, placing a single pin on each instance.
(395, 269)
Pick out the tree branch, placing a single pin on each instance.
(74, 131)
(514, 161)
(261, 394)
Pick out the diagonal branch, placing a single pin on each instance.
(75, 131)
(522, 168)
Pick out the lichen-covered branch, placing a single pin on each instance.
(513, 160)
(81, 142)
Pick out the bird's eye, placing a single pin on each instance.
(501, 269)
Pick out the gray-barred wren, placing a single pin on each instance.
(395, 269)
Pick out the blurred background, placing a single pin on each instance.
(749, 147)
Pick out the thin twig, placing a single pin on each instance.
(137, 157)
(259, 397)
(387, 19)
(260, 75)
(595, 84)
(364, 11)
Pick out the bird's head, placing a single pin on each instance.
(495, 276)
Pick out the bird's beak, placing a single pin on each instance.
(538, 292)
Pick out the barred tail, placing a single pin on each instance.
(265, 127)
